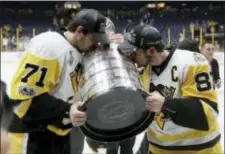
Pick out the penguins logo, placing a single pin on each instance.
(161, 119)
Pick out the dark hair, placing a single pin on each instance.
(171, 47)
(72, 26)
(206, 42)
(190, 45)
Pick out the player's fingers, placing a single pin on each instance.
(150, 109)
(149, 98)
(75, 119)
(152, 93)
(80, 115)
(79, 121)
(152, 105)
(77, 124)
(149, 106)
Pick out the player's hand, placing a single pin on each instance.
(116, 38)
(155, 102)
(77, 117)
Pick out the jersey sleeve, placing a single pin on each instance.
(198, 106)
(35, 75)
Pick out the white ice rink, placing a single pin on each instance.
(9, 66)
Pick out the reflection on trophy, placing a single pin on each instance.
(114, 99)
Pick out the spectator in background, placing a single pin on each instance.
(5, 42)
(207, 49)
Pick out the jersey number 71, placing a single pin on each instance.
(35, 69)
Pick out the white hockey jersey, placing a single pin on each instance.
(48, 66)
(184, 74)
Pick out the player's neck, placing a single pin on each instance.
(159, 58)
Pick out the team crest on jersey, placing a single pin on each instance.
(166, 91)
(23, 90)
(161, 120)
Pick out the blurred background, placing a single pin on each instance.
(20, 21)
(200, 21)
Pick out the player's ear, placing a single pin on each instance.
(150, 51)
(80, 31)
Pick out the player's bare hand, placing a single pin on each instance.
(78, 117)
(155, 102)
(116, 38)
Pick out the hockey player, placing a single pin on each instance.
(181, 93)
(45, 82)
(207, 49)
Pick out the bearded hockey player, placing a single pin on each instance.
(181, 93)
(45, 82)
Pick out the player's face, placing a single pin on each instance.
(86, 42)
(208, 50)
(140, 58)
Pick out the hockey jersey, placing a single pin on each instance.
(188, 121)
(48, 68)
